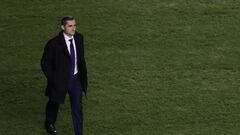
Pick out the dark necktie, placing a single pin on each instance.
(72, 54)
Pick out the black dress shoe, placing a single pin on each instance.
(51, 129)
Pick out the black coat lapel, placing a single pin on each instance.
(78, 45)
(64, 45)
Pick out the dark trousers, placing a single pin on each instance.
(75, 94)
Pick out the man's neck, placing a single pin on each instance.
(67, 35)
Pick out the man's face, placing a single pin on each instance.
(69, 28)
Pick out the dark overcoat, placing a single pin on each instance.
(56, 63)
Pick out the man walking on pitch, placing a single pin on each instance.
(64, 66)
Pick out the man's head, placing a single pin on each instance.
(68, 25)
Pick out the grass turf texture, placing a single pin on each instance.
(156, 67)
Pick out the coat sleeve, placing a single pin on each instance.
(47, 61)
(84, 68)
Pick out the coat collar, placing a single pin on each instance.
(63, 44)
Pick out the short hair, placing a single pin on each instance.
(65, 19)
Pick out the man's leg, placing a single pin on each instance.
(51, 116)
(75, 94)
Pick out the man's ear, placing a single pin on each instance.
(62, 27)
